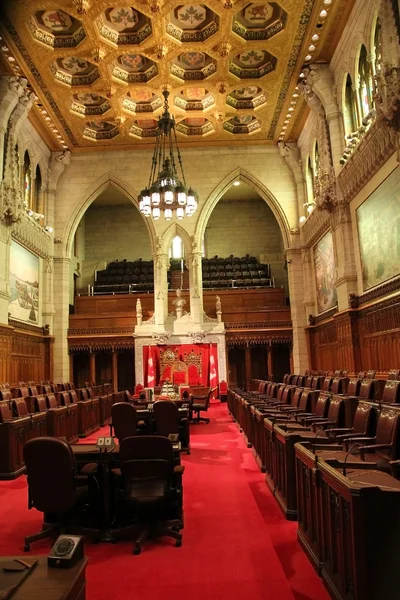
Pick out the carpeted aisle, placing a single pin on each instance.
(236, 543)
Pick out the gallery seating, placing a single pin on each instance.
(124, 277)
(245, 272)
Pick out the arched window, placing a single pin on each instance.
(376, 63)
(27, 181)
(37, 199)
(177, 248)
(310, 181)
(349, 112)
(365, 83)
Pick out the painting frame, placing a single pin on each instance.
(325, 273)
(378, 232)
(24, 277)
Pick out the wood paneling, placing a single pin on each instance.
(360, 339)
(26, 353)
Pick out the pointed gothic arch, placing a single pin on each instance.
(242, 175)
(108, 179)
(173, 230)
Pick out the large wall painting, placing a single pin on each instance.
(324, 264)
(24, 285)
(378, 220)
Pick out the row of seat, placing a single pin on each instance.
(303, 436)
(235, 272)
(67, 414)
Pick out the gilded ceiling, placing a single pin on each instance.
(98, 68)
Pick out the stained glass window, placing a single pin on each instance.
(27, 180)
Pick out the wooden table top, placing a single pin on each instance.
(49, 583)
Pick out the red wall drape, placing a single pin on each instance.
(204, 350)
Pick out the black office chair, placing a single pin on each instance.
(151, 485)
(123, 420)
(55, 487)
(168, 422)
(200, 402)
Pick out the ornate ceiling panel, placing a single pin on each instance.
(98, 66)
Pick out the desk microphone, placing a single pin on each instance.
(318, 432)
(350, 450)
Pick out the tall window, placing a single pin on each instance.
(365, 87)
(349, 113)
(37, 196)
(177, 248)
(310, 181)
(27, 181)
(376, 65)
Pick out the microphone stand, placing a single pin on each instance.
(350, 450)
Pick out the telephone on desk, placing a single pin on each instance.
(66, 552)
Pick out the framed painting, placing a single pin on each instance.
(324, 266)
(378, 222)
(24, 284)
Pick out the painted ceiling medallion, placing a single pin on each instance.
(141, 101)
(134, 68)
(73, 70)
(259, 21)
(192, 66)
(194, 98)
(124, 25)
(56, 28)
(199, 126)
(248, 97)
(100, 130)
(242, 124)
(252, 64)
(192, 23)
(144, 128)
(85, 104)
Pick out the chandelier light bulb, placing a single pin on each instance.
(302, 219)
(323, 13)
(167, 189)
(315, 37)
(311, 48)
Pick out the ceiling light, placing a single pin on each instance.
(302, 219)
(327, 2)
(291, 109)
(166, 190)
(323, 14)
(288, 116)
(48, 228)
(308, 57)
(286, 122)
(284, 128)
(11, 59)
(315, 37)
(295, 95)
(302, 75)
(236, 183)
(311, 48)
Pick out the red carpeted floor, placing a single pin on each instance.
(236, 543)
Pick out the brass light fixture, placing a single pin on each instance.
(167, 191)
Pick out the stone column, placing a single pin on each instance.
(5, 244)
(308, 280)
(61, 317)
(346, 273)
(291, 154)
(160, 289)
(196, 285)
(296, 289)
(48, 290)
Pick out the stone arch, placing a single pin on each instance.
(169, 234)
(89, 196)
(357, 43)
(215, 196)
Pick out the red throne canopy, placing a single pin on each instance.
(181, 364)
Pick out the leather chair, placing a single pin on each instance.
(363, 424)
(150, 484)
(200, 401)
(53, 484)
(391, 392)
(384, 446)
(123, 420)
(168, 422)
(223, 390)
(38, 420)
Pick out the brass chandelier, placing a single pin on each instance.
(166, 192)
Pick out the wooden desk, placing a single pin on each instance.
(349, 526)
(52, 584)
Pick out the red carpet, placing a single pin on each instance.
(236, 543)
